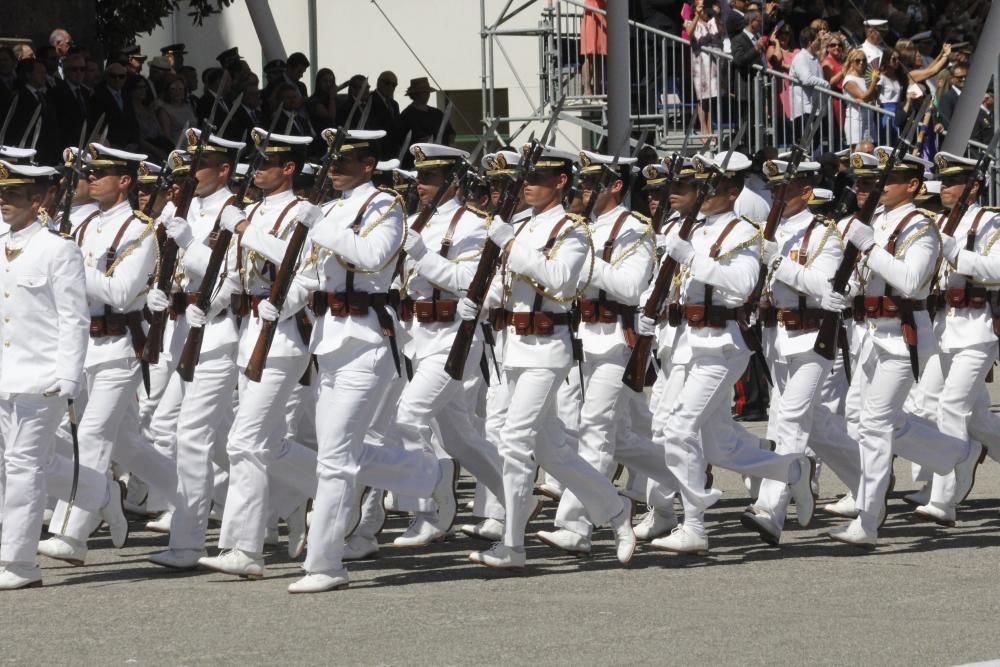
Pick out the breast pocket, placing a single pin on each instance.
(33, 294)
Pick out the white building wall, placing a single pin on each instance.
(355, 38)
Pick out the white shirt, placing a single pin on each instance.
(872, 51)
(45, 325)
(961, 327)
(805, 68)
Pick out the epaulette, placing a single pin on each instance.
(646, 220)
(475, 211)
(577, 218)
(930, 214)
(142, 217)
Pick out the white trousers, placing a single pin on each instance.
(28, 424)
(797, 408)
(533, 436)
(255, 439)
(875, 417)
(602, 418)
(699, 429)
(205, 414)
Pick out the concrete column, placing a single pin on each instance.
(267, 30)
(618, 74)
(981, 68)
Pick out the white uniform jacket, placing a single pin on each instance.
(45, 324)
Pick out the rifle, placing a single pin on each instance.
(191, 353)
(459, 355)
(168, 253)
(826, 339)
(676, 162)
(635, 372)
(958, 211)
(69, 183)
(286, 272)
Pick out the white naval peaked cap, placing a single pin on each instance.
(387, 165)
(552, 157)
(929, 188)
(704, 164)
(592, 162)
(278, 143)
(23, 174)
(148, 171)
(98, 155)
(820, 196)
(407, 174)
(501, 163)
(214, 144)
(777, 170)
(428, 156)
(13, 154)
(878, 24)
(864, 164)
(949, 163)
(906, 162)
(352, 138)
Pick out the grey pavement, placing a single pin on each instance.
(927, 596)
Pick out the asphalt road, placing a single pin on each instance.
(927, 596)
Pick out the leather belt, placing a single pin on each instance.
(967, 297)
(115, 324)
(242, 305)
(529, 322)
(342, 304)
(792, 319)
(428, 310)
(699, 316)
(889, 306)
(603, 312)
(179, 301)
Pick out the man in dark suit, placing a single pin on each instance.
(110, 100)
(385, 114)
(71, 99)
(949, 100)
(247, 116)
(31, 93)
(748, 50)
(211, 80)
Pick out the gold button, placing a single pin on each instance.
(6, 343)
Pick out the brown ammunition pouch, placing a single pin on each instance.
(428, 310)
(603, 312)
(699, 316)
(529, 322)
(115, 324)
(675, 314)
(498, 318)
(792, 319)
(179, 301)
(891, 306)
(967, 297)
(342, 304)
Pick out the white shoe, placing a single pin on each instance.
(654, 524)
(14, 576)
(844, 507)
(499, 556)
(550, 491)
(490, 530)
(136, 494)
(943, 516)
(420, 533)
(63, 548)
(360, 548)
(444, 495)
(624, 535)
(761, 523)
(113, 514)
(802, 493)
(161, 524)
(46, 517)
(855, 535)
(320, 582)
(922, 496)
(965, 472)
(296, 522)
(178, 559)
(567, 541)
(236, 562)
(682, 540)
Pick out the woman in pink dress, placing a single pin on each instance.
(780, 52)
(833, 70)
(593, 46)
(703, 30)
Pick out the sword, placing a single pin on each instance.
(10, 115)
(38, 130)
(76, 463)
(98, 128)
(405, 146)
(30, 126)
(444, 123)
(365, 113)
(229, 116)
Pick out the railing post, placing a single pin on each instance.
(619, 77)
(758, 112)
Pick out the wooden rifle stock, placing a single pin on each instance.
(191, 353)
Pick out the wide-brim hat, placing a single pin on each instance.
(419, 85)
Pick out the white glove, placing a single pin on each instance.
(950, 249)
(180, 231)
(268, 311)
(834, 302)
(768, 250)
(467, 309)
(645, 326)
(679, 249)
(61, 389)
(231, 216)
(196, 317)
(501, 233)
(861, 236)
(308, 214)
(157, 300)
(413, 245)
